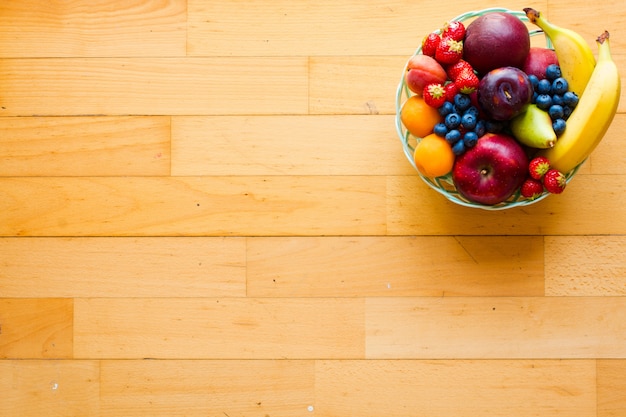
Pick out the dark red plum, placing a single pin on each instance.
(496, 40)
(503, 92)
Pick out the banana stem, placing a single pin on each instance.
(603, 37)
(532, 14)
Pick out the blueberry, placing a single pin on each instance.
(544, 86)
(468, 121)
(473, 110)
(567, 112)
(559, 86)
(556, 111)
(453, 136)
(533, 80)
(557, 99)
(559, 126)
(470, 139)
(446, 109)
(544, 101)
(458, 148)
(570, 99)
(553, 71)
(480, 128)
(440, 129)
(453, 120)
(462, 102)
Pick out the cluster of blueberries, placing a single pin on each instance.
(552, 95)
(462, 126)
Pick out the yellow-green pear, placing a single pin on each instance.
(533, 128)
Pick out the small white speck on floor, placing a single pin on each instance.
(310, 408)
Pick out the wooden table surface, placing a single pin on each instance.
(205, 211)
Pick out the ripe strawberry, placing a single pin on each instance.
(457, 68)
(467, 82)
(531, 188)
(434, 95)
(554, 181)
(538, 167)
(449, 51)
(430, 44)
(451, 91)
(454, 30)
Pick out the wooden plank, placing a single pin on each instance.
(125, 267)
(498, 327)
(153, 86)
(33, 388)
(355, 84)
(286, 145)
(83, 146)
(591, 204)
(230, 328)
(590, 22)
(455, 388)
(611, 388)
(31, 28)
(317, 27)
(198, 206)
(32, 328)
(206, 388)
(609, 158)
(586, 265)
(394, 266)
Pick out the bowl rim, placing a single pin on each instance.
(516, 200)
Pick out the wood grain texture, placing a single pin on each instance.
(53, 388)
(586, 265)
(205, 210)
(611, 382)
(455, 388)
(286, 145)
(201, 388)
(85, 146)
(64, 28)
(191, 206)
(36, 328)
(394, 266)
(499, 327)
(128, 267)
(152, 86)
(229, 328)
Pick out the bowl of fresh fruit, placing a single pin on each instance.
(493, 119)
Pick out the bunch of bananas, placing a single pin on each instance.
(596, 83)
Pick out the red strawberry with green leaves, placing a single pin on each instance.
(467, 82)
(538, 167)
(430, 44)
(449, 51)
(554, 181)
(454, 30)
(531, 188)
(434, 95)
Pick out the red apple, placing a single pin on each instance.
(492, 170)
(422, 70)
(494, 40)
(537, 60)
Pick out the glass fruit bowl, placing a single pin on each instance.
(444, 184)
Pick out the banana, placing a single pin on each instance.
(533, 127)
(592, 116)
(572, 51)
